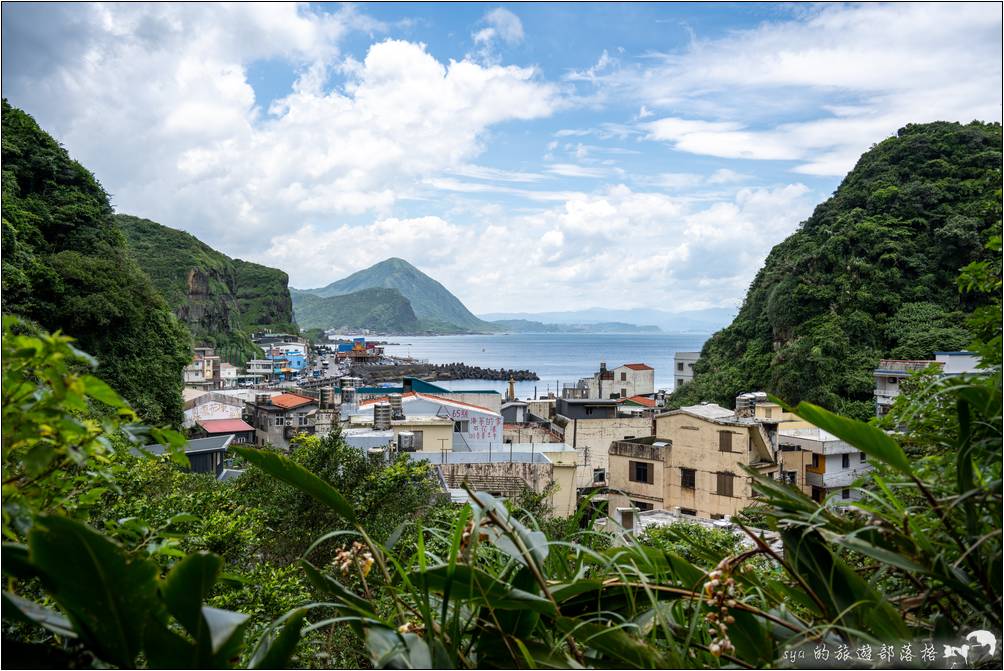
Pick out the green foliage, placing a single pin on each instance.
(380, 310)
(63, 429)
(221, 300)
(871, 274)
(73, 592)
(325, 468)
(483, 589)
(65, 266)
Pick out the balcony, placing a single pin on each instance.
(289, 432)
(842, 478)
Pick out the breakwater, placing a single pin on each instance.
(374, 373)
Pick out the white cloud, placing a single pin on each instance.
(502, 24)
(851, 74)
(156, 100)
(575, 170)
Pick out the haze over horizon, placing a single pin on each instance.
(629, 156)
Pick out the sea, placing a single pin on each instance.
(556, 358)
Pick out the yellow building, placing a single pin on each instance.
(694, 463)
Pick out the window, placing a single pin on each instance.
(688, 511)
(717, 516)
(688, 478)
(845, 461)
(642, 505)
(599, 475)
(864, 457)
(679, 366)
(815, 460)
(462, 426)
(789, 477)
(301, 418)
(724, 441)
(279, 421)
(845, 493)
(623, 392)
(769, 412)
(418, 440)
(640, 471)
(818, 494)
(725, 483)
(623, 377)
(679, 381)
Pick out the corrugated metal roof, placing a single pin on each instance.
(638, 366)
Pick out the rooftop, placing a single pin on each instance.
(211, 444)
(288, 401)
(641, 400)
(638, 366)
(225, 425)
(479, 457)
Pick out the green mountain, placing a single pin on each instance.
(380, 310)
(221, 300)
(66, 266)
(871, 274)
(436, 307)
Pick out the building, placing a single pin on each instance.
(891, 372)
(277, 419)
(483, 398)
(693, 463)
(474, 427)
(591, 433)
(228, 375)
(261, 367)
(204, 370)
(683, 367)
(506, 474)
(631, 379)
(515, 412)
(829, 466)
(242, 432)
(205, 455)
(415, 433)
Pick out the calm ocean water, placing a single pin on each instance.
(556, 358)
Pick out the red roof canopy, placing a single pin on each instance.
(289, 401)
(641, 400)
(638, 366)
(225, 425)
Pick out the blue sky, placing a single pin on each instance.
(529, 156)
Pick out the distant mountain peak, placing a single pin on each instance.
(430, 300)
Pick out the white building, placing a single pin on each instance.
(630, 379)
(683, 367)
(891, 372)
(831, 465)
(474, 428)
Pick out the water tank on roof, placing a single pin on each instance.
(381, 416)
(261, 399)
(396, 407)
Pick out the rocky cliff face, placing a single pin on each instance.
(220, 299)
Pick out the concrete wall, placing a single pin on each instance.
(619, 471)
(634, 382)
(591, 439)
(687, 359)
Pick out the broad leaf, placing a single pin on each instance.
(107, 595)
(869, 439)
(18, 608)
(292, 473)
(277, 646)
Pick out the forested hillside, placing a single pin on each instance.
(66, 266)
(221, 300)
(871, 274)
(434, 305)
(380, 310)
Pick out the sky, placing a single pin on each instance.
(530, 157)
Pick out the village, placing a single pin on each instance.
(609, 437)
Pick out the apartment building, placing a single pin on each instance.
(683, 367)
(891, 373)
(630, 379)
(693, 462)
(277, 419)
(821, 464)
